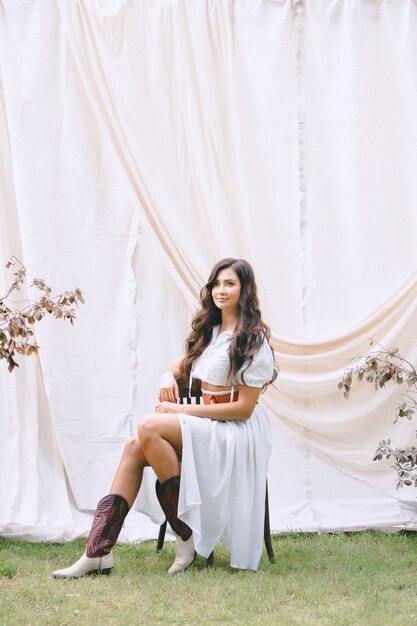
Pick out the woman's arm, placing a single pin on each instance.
(242, 409)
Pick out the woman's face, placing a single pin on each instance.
(226, 290)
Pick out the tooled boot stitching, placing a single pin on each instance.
(107, 524)
(168, 494)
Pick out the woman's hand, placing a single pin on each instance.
(169, 407)
(168, 388)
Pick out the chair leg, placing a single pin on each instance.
(210, 559)
(161, 536)
(267, 529)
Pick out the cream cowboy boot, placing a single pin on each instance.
(168, 494)
(107, 523)
(184, 555)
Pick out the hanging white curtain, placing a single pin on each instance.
(140, 142)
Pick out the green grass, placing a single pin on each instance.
(332, 580)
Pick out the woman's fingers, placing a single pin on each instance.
(166, 407)
(168, 389)
(167, 394)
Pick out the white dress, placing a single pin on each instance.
(224, 463)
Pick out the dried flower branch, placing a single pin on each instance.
(379, 368)
(16, 334)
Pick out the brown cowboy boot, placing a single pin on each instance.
(167, 494)
(107, 524)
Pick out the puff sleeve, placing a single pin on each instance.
(260, 371)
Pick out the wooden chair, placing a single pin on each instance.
(196, 396)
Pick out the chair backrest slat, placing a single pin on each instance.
(196, 394)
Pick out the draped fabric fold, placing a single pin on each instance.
(141, 142)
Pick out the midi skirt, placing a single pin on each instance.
(223, 479)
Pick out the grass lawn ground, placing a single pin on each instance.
(355, 579)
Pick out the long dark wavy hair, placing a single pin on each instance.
(250, 330)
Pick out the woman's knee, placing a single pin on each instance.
(133, 449)
(148, 429)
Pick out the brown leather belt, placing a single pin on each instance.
(213, 398)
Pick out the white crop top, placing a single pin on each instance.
(213, 365)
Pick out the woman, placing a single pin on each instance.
(224, 444)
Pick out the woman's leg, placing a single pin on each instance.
(161, 442)
(113, 508)
(161, 439)
(110, 515)
(128, 477)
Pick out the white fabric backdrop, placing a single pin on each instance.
(142, 141)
